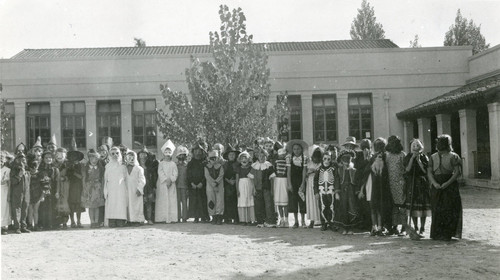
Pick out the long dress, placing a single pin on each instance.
(135, 182)
(312, 206)
(380, 194)
(347, 213)
(47, 212)
(446, 203)
(418, 200)
(166, 196)
(197, 197)
(62, 205)
(360, 164)
(74, 173)
(214, 174)
(230, 195)
(246, 210)
(5, 191)
(93, 189)
(396, 171)
(115, 191)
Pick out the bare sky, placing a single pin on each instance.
(111, 23)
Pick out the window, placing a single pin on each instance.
(38, 122)
(360, 116)
(290, 127)
(324, 118)
(109, 121)
(144, 123)
(10, 137)
(73, 124)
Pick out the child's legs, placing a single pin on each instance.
(31, 215)
(422, 223)
(269, 206)
(259, 206)
(373, 214)
(36, 206)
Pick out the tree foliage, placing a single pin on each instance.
(465, 33)
(414, 43)
(139, 43)
(365, 25)
(4, 119)
(228, 95)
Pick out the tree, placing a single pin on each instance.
(139, 43)
(4, 119)
(465, 33)
(228, 95)
(414, 43)
(364, 25)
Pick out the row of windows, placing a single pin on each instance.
(324, 111)
(73, 123)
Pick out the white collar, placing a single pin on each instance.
(261, 166)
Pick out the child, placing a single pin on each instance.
(324, 189)
(93, 193)
(394, 158)
(245, 190)
(166, 192)
(281, 188)
(36, 151)
(63, 210)
(37, 194)
(50, 176)
(149, 164)
(312, 207)
(19, 193)
(74, 174)
(181, 183)
(377, 189)
(297, 172)
(196, 182)
(230, 195)
(115, 190)
(135, 185)
(347, 213)
(262, 174)
(214, 174)
(269, 147)
(5, 192)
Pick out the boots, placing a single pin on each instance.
(219, 220)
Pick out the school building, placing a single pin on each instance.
(366, 89)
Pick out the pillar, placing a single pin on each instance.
(443, 124)
(307, 118)
(91, 124)
(468, 140)
(126, 121)
(55, 120)
(160, 104)
(494, 121)
(407, 134)
(20, 125)
(387, 98)
(379, 115)
(424, 132)
(343, 116)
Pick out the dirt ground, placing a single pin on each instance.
(203, 251)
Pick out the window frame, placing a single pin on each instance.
(360, 119)
(109, 114)
(73, 115)
(31, 139)
(324, 108)
(143, 113)
(294, 108)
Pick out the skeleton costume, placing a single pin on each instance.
(324, 185)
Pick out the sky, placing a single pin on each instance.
(37, 24)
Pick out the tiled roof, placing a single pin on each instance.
(474, 93)
(199, 49)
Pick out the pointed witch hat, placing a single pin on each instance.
(38, 143)
(52, 140)
(168, 145)
(108, 141)
(74, 154)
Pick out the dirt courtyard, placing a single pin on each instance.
(203, 251)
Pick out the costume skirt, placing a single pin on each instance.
(369, 185)
(312, 206)
(280, 191)
(246, 188)
(5, 206)
(446, 210)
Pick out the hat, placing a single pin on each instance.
(52, 140)
(38, 143)
(313, 148)
(93, 153)
(242, 154)
(168, 145)
(219, 147)
(230, 149)
(365, 144)
(107, 141)
(291, 143)
(346, 152)
(144, 150)
(350, 140)
(181, 150)
(74, 154)
(61, 150)
(202, 145)
(277, 145)
(103, 148)
(213, 153)
(18, 148)
(47, 152)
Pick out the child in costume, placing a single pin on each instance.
(149, 164)
(115, 190)
(297, 176)
(166, 192)
(262, 174)
(230, 195)
(63, 188)
(37, 194)
(312, 206)
(135, 185)
(19, 193)
(6, 220)
(48, 207)
(347, 214)
(214, 175)
(74, 174)
(245, 190)
(93, 191)
(281, 188)
(197, 183)
(181, 153)
(325, 190)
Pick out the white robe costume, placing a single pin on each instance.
(115, 191)
(135, 182)
(5, 193)
(166, 196)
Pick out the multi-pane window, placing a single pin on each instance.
(38, 122)
(290, 127)
(144, 125)
(324, 118)
(9, 136)
(360, 116)
(73, 123)
(109, 120)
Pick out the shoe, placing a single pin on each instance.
(260, 225)
(269, 225)
(373, 232)
(79, 225)
(214, 221)
(73, 225)
(296, 225)
(25, 230)
(349, 232)
(380, 233)
(344, 232)
(4, 232)
(219, 221)
(286, 225)
(311, 225)
(324, 227)
(304, 225)
(196, 220)
(18, 231)
(150, 223)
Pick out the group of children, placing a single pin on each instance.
(342, 188)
